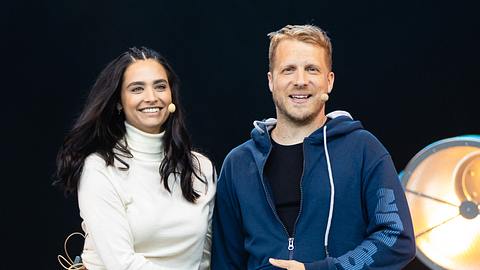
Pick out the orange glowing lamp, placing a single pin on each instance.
(442, 185)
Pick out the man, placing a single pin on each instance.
(309, 190)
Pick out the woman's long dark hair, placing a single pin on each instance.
(100, 128)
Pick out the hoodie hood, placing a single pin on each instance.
(340, 123)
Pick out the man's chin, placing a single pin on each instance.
(298, 117)
(301, 120)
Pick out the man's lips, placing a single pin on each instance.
(303, 96)
(297, 98)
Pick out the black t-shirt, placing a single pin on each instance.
(283, 172)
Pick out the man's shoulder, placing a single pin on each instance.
(363, 136)
(244, 154)
(367, 141)
(241, 151)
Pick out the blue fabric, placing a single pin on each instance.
(371, 226)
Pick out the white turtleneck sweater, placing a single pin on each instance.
(132, 222)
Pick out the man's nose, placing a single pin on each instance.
(300, 79)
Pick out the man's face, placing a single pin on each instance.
(299, 75)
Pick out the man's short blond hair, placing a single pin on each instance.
(305, 33)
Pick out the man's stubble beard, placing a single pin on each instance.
(301, 120)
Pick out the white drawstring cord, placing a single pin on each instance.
(269, 123)
(68, 263)
(332, 190)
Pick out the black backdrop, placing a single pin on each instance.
(407, 69)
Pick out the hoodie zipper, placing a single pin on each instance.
(290, 245)
(290, 256)
(291, 239)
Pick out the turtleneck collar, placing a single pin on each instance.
(144, 146)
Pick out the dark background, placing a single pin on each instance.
(406, 69)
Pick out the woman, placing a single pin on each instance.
(145, 198)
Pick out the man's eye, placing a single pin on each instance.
(136, 89)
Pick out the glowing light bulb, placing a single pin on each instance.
(442, 184)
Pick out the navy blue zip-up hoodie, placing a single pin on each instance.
(353, 211)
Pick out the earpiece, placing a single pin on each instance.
(172, 108)
(324, 97)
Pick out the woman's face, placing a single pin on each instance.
(145, 95)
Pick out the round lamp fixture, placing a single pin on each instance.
(442, 185)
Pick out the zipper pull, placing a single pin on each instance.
(290, 243)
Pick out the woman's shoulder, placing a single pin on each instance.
(95, 161)
(98, 177)
(204, 164)
(201, 157)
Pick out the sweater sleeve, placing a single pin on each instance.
(389, 243)
(104, 215)
(206, 257)
(227, 250)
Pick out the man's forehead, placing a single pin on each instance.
(299, 55)
(296, 42)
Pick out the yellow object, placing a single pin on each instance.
(442, 185)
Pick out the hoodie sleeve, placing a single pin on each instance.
(228, 240)
(389, 243)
